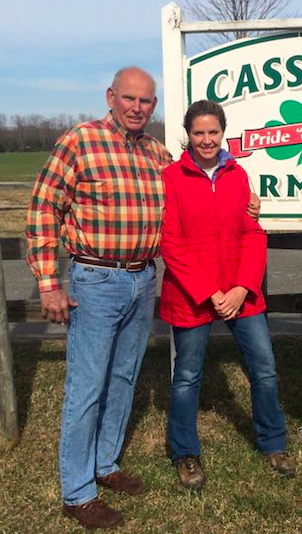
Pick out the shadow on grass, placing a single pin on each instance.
(288, 351)
(217, 390)
(26, 359)
(154, 381)
(154, 386)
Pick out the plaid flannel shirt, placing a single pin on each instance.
(101, 194)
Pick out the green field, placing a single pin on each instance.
(21, 166)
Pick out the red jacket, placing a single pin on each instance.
(208, 242)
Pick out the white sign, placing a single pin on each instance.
(258, 82)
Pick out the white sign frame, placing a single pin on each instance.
(177, 98)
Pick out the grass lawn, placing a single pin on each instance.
(21, 166)
(243, 495)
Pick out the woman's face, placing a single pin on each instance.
(205, 137)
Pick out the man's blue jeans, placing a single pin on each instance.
(252, 336)
(106, 340)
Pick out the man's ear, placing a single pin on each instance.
(154, 103)
(110, 97)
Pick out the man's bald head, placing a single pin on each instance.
(131, 98)
(132, 70)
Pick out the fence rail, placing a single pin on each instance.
(29, 310)
(17, 184)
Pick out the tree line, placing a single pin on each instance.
(32, 133)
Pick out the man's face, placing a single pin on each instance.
(132, 100)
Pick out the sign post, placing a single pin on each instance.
(174, 61)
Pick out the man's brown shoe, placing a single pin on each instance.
(122, 483)
(190, 472)
(94, 514)
(281, 463)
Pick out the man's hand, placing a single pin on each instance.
(55, 305)
(228, 307)
(253, 208)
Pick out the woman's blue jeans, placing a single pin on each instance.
(252, 336)
(107, 337)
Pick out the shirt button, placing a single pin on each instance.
(144, 200)
(138, 175)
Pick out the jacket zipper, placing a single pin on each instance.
(221, 270)
(213, 186)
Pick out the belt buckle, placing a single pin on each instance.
(130, 266)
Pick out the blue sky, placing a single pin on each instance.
(60, 56)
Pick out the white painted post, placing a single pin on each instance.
(174, 55)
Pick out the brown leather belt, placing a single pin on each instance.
(130, 266)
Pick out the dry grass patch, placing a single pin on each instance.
(18, 196)
(13, 222)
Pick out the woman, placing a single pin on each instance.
(215, 257)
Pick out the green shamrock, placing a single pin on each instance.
(291, 112)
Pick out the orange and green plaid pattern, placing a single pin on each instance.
(101, 194)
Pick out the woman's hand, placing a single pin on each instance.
(229, 305)
(216, 298)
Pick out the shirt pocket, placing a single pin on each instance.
(95, 192)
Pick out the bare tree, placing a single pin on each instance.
(156, 128)
(234, 10)
(19, 124)
(3, 120)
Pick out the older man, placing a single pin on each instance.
(101, 192)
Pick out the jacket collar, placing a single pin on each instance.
(225, 159)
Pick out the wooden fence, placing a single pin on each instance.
(23, 311)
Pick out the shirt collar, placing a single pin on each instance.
(119, 130)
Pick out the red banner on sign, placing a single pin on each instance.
(288, 134)
(269, 137)
(235, 148)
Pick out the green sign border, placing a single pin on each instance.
(280, 216)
